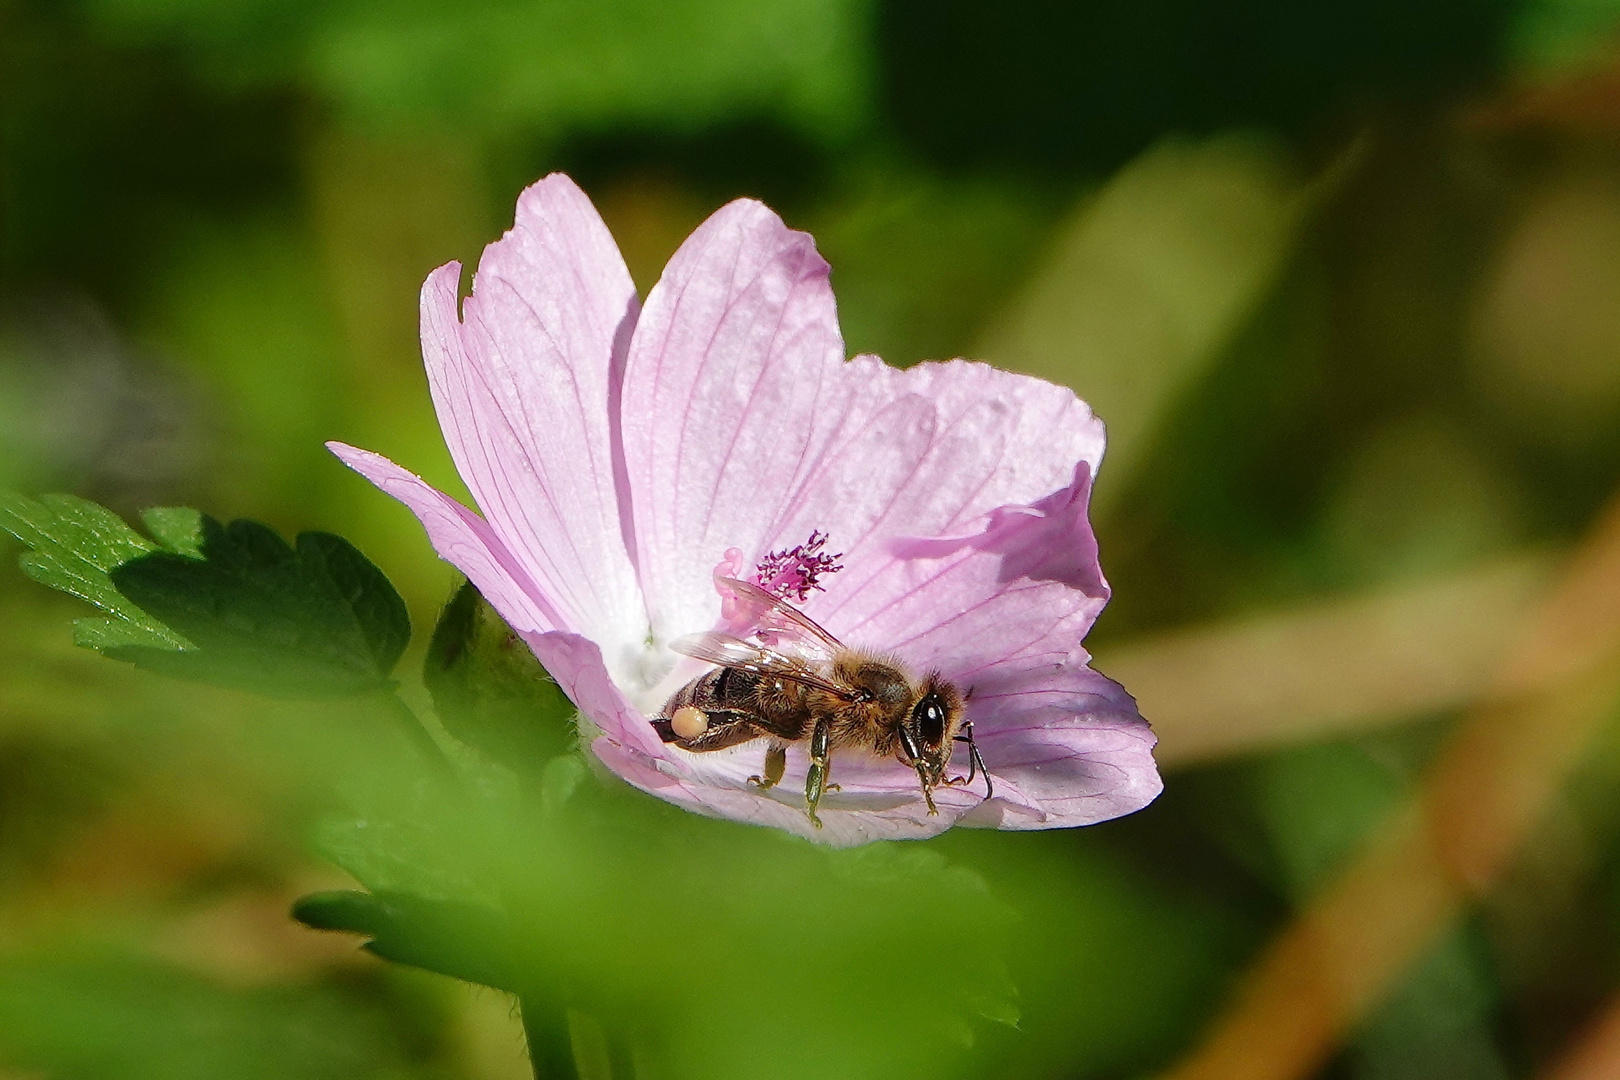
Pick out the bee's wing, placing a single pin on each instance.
(760, 610)
(733, 652)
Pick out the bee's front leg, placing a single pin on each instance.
(975, 763)
(815, 781)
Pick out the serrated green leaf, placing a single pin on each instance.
(489, 690)
(73, 545)
(177, 528)
(314, 620)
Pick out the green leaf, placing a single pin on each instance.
(73, 545)
(104, 634)
(177, 528)
(489, 690)
(464, 941)
(397, 856)
(232, 605)
(314, 620)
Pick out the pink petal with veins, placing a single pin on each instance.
(461, 538)
(1001, 613)
(526, 383)
(1067, 743)
(729, 397)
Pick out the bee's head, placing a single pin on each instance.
(926, 734)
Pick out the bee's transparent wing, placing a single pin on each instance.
(778, 623)
(733, 652)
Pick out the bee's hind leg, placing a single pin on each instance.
(815, 781)
(775, 766)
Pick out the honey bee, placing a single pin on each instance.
(790, 681)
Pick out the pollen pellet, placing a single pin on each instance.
(689, 722)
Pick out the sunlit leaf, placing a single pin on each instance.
(73, 546)
(177, 528)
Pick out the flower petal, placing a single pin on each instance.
(1024, 577)
(1003, 439)
(616, 460)
(875, 804)
(462, 539)
(1001, 611)
(729, 399)
(1001, 614)
(1066, 747)
(526, 387)
(939, 446)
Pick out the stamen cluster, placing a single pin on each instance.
(794, 574)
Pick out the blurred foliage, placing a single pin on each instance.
(1564, 33)
(1340, 277)
(496, 65)
(1150, 278)
(96, 1011)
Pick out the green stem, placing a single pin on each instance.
(556, 1050)
(592, 1055)
(416, 732)
(551, 1052)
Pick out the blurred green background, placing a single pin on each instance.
(1342, 277)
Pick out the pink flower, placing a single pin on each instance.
(620, 452)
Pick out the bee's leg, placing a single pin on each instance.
(775, 766)
(973, 757)
(975, 762)
(928, 789)
(815, 781)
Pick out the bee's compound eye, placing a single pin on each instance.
(689, 722)
(930, 719)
